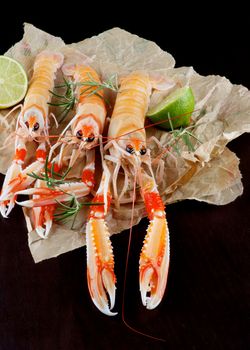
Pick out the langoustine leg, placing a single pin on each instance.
(100, 261)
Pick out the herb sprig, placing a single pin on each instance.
(69, 209)
(68, 100)
(181, 134)
(50, 176)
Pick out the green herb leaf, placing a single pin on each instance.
(181, 134)
(49, 175)
(68, 100)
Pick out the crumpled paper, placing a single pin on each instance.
(222, 113)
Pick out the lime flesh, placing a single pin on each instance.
(13, 82)
(177, 106)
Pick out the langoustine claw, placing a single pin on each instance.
(48, 196)
(100, 260)
(16, 180)
(154, 258)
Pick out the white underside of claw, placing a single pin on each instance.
(154, 263)
(43, 232)
(100, 288)
(42, 216)
(5, 209)
(15, 177)
(12, 172)
(100, 266)
(10, 185)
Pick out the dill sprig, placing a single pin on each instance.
(49, 175)
(181, 134)
(68, 100)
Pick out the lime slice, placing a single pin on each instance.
(13, 82)
(178, 106)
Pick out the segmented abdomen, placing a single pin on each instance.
(131, 104)
(85, 74)
(45, 67)
(89, 102)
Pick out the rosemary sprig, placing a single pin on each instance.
(49, 175)
(68, 100)
(65, 211)
(70, 209)
(111, 83)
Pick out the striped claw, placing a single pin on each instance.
(7, 206)
(100, 266)
(100, 260)
(16, 180)
(154, 258)
(47, 196)
(43, 217)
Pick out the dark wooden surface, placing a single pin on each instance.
(47, 306)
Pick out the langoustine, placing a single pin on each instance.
(126, 149)
(32, 126)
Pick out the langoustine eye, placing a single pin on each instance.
(36, 126)
(90, 138)
(130, 149)
(79, 134)
(143, 150)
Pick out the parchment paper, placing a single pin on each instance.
(222, 113)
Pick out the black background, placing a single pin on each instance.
(47, 306)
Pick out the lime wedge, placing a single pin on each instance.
(13, 82)
(177, 106)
